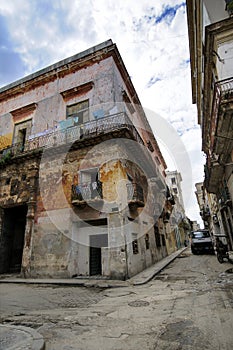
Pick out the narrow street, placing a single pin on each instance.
(187, 306)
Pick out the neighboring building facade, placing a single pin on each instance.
(82, 179)
(209, 210)
(179, 223)
(210, 26)
(203, 203)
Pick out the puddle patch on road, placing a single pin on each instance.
(182, 332)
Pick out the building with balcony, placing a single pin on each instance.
(209, 210)
(210, 26)
(82, 179)
(179, 223)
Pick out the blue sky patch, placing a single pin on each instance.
(10, 60)
(168, 13)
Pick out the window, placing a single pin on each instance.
(8, 180)
(149, 145)
(79, 112)
(173, 180)
(22, 137)
(175, 190)
(163, 240)
(147, 241)
(157, 160)
(157, 236)
(135, 246)
(128, 102)
(21, 133)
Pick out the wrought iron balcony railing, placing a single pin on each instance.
(223, 92)
(86, 191)
(135, 194)
(112, 123)
(223, 96)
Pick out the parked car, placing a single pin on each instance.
(201, 242)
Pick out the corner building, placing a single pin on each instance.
(82, 179)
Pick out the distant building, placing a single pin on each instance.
(82, 181)
(209, 211)
(179, 223)
(174, 180)
(210, 26)
(195, 226)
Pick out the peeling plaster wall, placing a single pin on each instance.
(68, 250)
(55, 244)
(51, 244)
(16, 182)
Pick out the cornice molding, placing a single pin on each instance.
(77, 90)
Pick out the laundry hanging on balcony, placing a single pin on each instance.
(64, 124)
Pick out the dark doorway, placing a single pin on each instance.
(12, 239)
(96, 242)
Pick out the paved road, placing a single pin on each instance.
(187, 306)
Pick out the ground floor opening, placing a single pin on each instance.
(12, 238)
(96, 243)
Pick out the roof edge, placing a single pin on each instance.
(57, 65)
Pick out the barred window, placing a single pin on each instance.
(157, 236)
(135, 246)
(147, 241)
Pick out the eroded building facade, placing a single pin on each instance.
(210, 26)
(82, 179)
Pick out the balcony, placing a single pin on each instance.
(225, 199)
(135, 195)
(113, 126)
(220, 131)
(205, 213)
(213, 175)
(87, 193)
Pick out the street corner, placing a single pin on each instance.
(19, 337)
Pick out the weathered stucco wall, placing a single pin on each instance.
(18, 182)
(56, 241)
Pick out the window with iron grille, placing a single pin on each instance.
(135, 246)
(147, 241)
(157, 236)
(175, 190)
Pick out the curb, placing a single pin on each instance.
(160, 266)
(20, 337)
(139, 279)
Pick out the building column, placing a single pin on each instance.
(29, 229)
(27, 250)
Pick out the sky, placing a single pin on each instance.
(152, 39)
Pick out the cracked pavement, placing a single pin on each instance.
(187, 306)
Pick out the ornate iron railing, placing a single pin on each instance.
(87, 191)
(135, 192)
(79, 133)
(223, 92)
